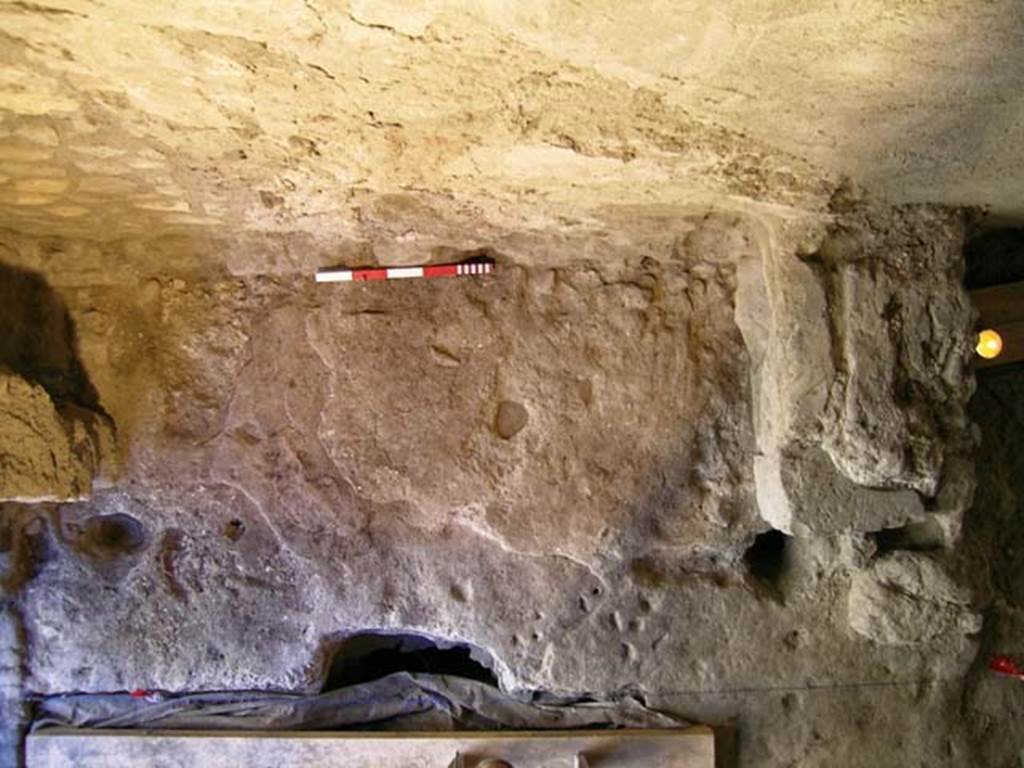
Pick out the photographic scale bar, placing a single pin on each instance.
(403, 273)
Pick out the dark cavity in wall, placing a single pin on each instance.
(38, 340)
(369, 656)
(767, 557)
(994, 257)
(919, 536)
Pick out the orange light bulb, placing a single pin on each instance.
(990, 344)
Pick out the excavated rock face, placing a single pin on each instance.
(53, 434)
(701, 435)
(899, 338)
(555, 463)
(46, 454)
(905, 599)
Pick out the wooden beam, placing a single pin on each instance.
(1000, 303)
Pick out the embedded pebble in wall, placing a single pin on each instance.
(511, 419)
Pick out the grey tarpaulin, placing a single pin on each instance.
(401, 701)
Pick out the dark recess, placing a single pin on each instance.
(994, 257)
(38, 340)
(921, 537)
(766, 557)
(108, 536)
(371, 655)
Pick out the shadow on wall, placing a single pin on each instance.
(994, 257)
(38, 341)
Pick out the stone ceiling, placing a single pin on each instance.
(465, 123)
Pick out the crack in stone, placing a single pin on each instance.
(322, 71)
(48, 10)
(319, 16)
(382, 27)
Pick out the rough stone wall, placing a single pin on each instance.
(900, 331)
(54, 437)
(46, 454)
(24, 547)
(702, 435)
(558, 464)
(861, 392)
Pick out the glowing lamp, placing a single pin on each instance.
(990, 344)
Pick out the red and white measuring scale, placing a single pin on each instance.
(400, 273)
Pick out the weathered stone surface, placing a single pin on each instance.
(511, 419)
(992, 553)
(349, 434)
(13, 709)
(692, 749)
(826, 502)
(48, 452)
(901, 329)
(324, 106)
(860, 350)
(906, 599)
(691, 337)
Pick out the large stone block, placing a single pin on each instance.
(48, 452)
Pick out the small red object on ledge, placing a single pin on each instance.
(153, 697)
(1004, 665)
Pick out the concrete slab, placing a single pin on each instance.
(687, 748)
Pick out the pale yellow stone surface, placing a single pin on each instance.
(25, 198)
(24, 169)
(69, 211)
(39, 133)
(514, 117)
(105, 185)
(45, 454)
(26, 92)
(150, 204)
(22, 154)
(99, 151)
(49, 186)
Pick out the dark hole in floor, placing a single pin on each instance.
(766, 557)
(371, 655)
